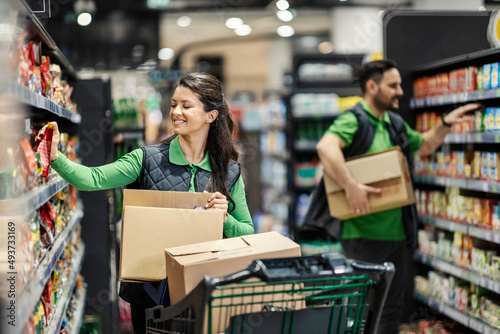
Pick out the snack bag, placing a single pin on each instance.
(46, 77)
(43, 147)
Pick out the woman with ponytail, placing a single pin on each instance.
(199, 156)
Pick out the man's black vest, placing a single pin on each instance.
(318, 215)
(158, 173)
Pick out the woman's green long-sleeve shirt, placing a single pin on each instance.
(128, 169)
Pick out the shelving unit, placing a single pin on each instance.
(309, 119)
(62, 304)
(33, 200)
(274, 166)
(473, 231)
(476, 185)
(34, 286)
(488, 97)
(41, 109)
(80, 308)
(451, 313)
(39, 102)
(456, 271)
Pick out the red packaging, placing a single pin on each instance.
(43, 147)
(46, 77)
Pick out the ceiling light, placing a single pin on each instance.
(166, 54)
(285, 31)
(284, 15)
(282, 4)
(184, 21)
(84, 19)
(243, 30)
(325, 47)
(234, 22)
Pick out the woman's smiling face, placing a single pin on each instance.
(187, 113)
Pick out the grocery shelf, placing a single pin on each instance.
(481, 233)
(445, 224)
(450, 312)
(440, 181)
(436, 101)
(472, 230)
(308, 148)
(62, 304)
(31, 201)
(121, 136)
(476, 185)
(36, 29)
(79, 311)
(464, 274)
(314, 117)
(29, 97)
(477, 58)
(34, 287)
(472, 138)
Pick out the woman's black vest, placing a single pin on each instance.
(158, 173)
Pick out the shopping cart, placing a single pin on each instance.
(312, 294)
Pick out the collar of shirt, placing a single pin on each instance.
(177, 157)
(385, 116)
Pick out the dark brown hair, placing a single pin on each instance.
(374, 70)
(220, 144)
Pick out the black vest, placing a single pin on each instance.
(158, 173)
(318, 214)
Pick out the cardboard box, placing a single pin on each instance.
(154, 220)
(387, 170)
(187, 265)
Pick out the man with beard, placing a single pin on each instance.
(367, 128)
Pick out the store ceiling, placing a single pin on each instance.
(126, 33)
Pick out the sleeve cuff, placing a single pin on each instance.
(60, 159)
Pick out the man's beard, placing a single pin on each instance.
(392, 105)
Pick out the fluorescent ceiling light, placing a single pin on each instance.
(285, 31)
(234, 22)
(243, 30)
(184, 21)
(284, 15)
(84, 19)
(282, 4)
(166, 54)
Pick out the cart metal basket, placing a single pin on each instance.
(312, 294)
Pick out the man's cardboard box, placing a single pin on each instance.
(154, 220)
(186, 266)
(387, 170)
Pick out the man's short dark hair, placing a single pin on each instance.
(374, 70)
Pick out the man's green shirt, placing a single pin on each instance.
(128, 169)
(385, 225)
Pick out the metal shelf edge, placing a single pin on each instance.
(78, 319)
(33, 200)
(452, 269)
(455, 314)
(58, 315)
(37, 282)
(33, 99)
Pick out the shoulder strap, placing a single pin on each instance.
(398, 134)
(364, 136)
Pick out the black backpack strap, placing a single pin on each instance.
(399, 137)
(318, 214)
(363, 137)
(398, 134)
